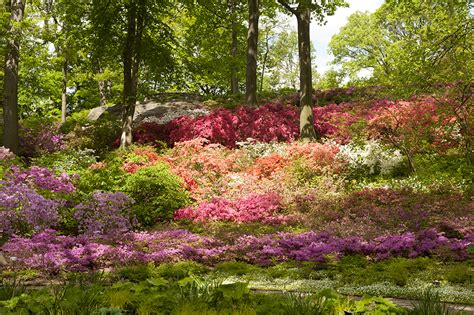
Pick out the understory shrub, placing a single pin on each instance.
(157, 193)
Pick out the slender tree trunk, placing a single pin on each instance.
(63, 92)
(234, 80)
(102, 84)
(307, 131)
(264, 62)
(252, 46)
(129, 97)
(16, 8)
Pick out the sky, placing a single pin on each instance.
(321, 35)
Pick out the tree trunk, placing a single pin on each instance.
(307, 131)
(63, 92)
(264, 63)
(252, 45)
(234, 80)
(16, 9)
(130, 74)
(102, 92)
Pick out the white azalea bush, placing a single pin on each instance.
(371, 158)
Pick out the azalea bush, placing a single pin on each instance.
(50, 252)
(261, 208)
(39, 137)
(105, 214)
(373, 212)
(370, 158)
(408, 126)
(30, 200)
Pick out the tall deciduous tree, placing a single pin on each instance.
(252, 45)
(303, 10)
(16, 8)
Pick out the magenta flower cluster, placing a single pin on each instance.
(252, 208)
(51, 252)
(44, 137)
(270, 122)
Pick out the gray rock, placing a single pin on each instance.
(3, 260)
(155, 111)
(95, 113)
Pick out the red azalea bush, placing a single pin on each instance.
(266, 166)
(252, 208)
(407, 126)
(277, 122)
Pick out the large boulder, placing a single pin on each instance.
(160, 109)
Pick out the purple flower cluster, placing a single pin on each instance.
(23, 210)
(42, 178)
(105, 214)
(48, 251)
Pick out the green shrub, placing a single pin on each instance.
(96, 135)
(69, 161)
(157, 193)
(459, 273)
(136, 273)
(235, 268)
(110, 177)
(180, 270)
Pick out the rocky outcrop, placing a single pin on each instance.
(160, 109)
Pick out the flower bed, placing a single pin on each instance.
(51, 252)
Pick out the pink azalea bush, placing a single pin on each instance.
(261, 208)
(6, 154)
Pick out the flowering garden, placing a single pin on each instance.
(209, 214)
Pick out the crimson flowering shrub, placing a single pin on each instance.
(262, 208)
(276, 122)
(104, 213)
(271, 122)
(50, 252)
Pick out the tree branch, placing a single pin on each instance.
(287, 6)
